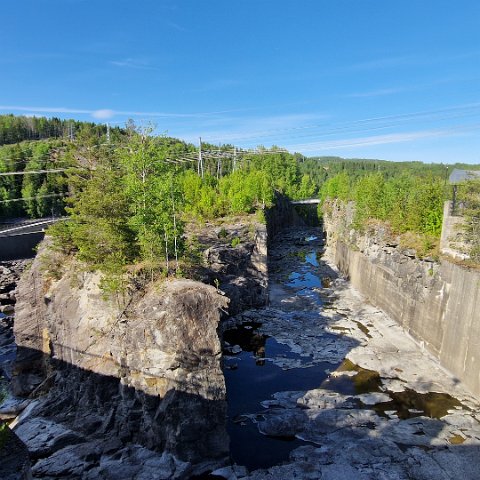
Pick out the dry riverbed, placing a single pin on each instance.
(336, 387)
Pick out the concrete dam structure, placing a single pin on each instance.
(438, 303)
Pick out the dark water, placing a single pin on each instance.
(252, 380)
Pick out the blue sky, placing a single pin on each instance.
(396, 79)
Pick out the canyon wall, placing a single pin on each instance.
(142, 368)
(438, 303)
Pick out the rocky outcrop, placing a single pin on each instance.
(436, 302)
(7, 341)
(241, 271)
(142, 369)
(281, 216)
(14, 459)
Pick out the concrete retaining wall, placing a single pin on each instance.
(452, 241)
(15, 247)
(438, 304)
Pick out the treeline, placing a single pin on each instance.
(247, 188)
(15, 129)
(41, 194)
(128, 195)
(128, 204)
(408, 202)
(33, 195)
(320, 169)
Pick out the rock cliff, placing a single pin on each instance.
(143, 370)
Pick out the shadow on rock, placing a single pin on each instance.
(93, 426)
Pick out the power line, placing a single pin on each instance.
(401, 137)
(449, 112)
(33, 198)
(33, 172)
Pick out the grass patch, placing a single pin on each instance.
(4, 434)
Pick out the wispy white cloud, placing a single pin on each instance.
(219, 84)
(385, 62)
(133, 63)
(17, 108)
(392, 138)
(410, 60)
(177, 26)
(254, 129)
(106, 113)
(377, 93)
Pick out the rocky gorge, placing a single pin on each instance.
(351, 394)
(319, 383)
(129, 386)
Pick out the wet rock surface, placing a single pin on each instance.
(10, 272)
(14, 455)
(366, 401)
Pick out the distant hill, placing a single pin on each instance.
(324, 167)
(15, 129)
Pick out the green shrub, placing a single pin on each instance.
(235, 242)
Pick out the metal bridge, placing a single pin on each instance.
(9, 229)
(308, 201)
(18, 239)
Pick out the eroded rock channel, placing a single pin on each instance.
(321, 384)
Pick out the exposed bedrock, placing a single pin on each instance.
(241, 271)
(438, 303)
(132, 386)
(14, 458)
(142, 370)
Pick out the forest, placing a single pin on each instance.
(129, 192)
(14, 129)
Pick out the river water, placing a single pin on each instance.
(252, 376)
(317, 350)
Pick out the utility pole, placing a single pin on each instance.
(166, 247)
(71, 132)
(199, 157)
(108, 133)
(200, 160)
(174, 227)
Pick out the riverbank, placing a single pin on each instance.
(320, 384)
(367, 401)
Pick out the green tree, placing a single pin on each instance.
(152, 192)
(369, 198)
(338, 186)
(469, 197)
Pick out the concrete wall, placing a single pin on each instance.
(438, 304)
(19, 246)
(452, 242)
